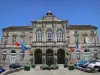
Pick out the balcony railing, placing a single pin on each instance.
(40, 44)
(51, 43)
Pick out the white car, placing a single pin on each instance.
(94, 66)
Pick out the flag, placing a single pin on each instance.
(77, 44)
(16, 44)
(71, 49)
(23, 45)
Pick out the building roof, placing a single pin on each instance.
(68, 27)
(16, 27)
(81, 26)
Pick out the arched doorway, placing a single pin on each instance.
(12, 56)
(49, 56)
(61, 56)
(87, 54)
(38, 56)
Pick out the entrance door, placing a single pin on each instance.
(61, 56)
(38, 56)
(49, 57)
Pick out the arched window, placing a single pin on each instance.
(59, 35)
(78, 54)
(4, 55)
(12, 56)
(49, 35)
(21, 55)
(96, 54)
(87, 54)
(39, 35)
(5, 40)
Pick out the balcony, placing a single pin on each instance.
(11, 46)
(51, 43)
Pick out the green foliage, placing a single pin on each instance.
(1, 65)
(26, 68)
(33, 66)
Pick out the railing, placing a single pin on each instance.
(10, 45)
(52, 44)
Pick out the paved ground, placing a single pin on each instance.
(60, 71)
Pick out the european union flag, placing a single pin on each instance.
(23, 45)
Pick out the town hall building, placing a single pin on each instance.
(48, 39)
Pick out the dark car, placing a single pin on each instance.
(2, 70)
(87, 63)
(14, 66)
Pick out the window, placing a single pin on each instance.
(49, 35)
(78, 54)
(96, 54)
(86, 54)
(22, 35)
(92, 32)
(5, 40)
(4, 55)
(59, 35)
(39, 35)
(13, 40)
(21, 55)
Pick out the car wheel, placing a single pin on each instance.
(96, 69)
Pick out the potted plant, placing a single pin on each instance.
(27, 67)
(71, 66)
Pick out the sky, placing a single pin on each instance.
(21, 12)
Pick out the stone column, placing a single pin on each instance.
(65, 38)
(54, 28)
(66, 56)
(44, 56)
(33, 57)
(55, 56)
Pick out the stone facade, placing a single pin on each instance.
(56, 48)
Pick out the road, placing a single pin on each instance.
(60, 71)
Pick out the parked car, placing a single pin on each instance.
(2, 70)
(80, 63)
(14, 66)
(87, 63)
(95, 66)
